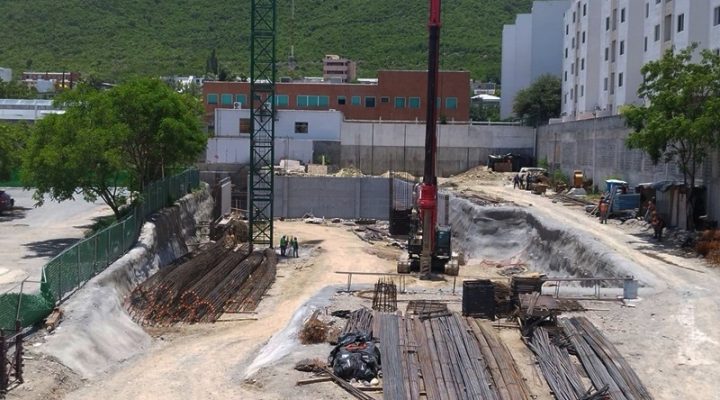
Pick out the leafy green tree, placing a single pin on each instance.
(12, 141)
(142, 127)
(162, 128)
(681, 119)
(540, 101)
(16, 90)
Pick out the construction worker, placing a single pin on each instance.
(658, 225)
(516, 182)
(283, 245)
(604, 211)
(294, 244)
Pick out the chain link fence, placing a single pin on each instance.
(88, 257)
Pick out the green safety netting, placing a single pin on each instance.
(85, 259)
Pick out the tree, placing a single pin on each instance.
(539, 102)
(142, 127)
(16, 90)
(12, 140)
(161, 128)
(680, 120)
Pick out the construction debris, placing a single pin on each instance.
(361, 320)
(221, 277)
(313, 331)
(311, 365)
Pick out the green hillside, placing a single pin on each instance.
(115, 39)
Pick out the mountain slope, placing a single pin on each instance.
(115, 39)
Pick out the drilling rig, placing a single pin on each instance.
(429, 244)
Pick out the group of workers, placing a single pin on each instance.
(288, 246)
(522, 182)
(650, 216)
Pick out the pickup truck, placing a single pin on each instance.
(6, 202)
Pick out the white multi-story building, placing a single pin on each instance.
(530, 48)
(608, 41)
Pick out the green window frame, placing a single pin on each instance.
(241, 98)
(414, 102)
(399, 102)
(369, 101)
(226, 99)
(282, 100)
(341, 100)
(451, 103)
(302, 102)
(356, 100)
(323, 101)
(212, 98)
(309, 101)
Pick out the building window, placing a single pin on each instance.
(583, 37)
(612, 83)
(301, 127)
(355, 100)
(668, 28)
(657, 33)
(245, 125)
(567, 30)
(565, 98)
(212, 98)
(565, 76)
(566, 52)
(657, 1)
(613, 50)
(384, 99)
(716, 16)
(614, 19)
(370, 101)
(399, 102)
(572, 68)
(573, 43)
(622, 15)
(305, 101)
(607, 53)
(620, 79)
(645, 43)
(605, 84)
(582, 64)
(647, 10)
(414, 102)
(241, 98)
(571, 94)
(607, 23)
(226, 99)
(573, 16)
(451, 103)
(282, 100)
(584, 9)
(622, 47)
(582, 90)
(341, 100)
(681, 22)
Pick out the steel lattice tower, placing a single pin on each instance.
(262, 113)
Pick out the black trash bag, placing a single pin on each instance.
(355, 356)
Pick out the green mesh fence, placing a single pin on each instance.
(85, 259)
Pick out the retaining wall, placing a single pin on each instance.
(96, 332)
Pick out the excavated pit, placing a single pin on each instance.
(507, 233)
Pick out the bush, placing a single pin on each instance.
(708, 245)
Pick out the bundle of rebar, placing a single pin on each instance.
(385, 296)
(557, 367)
(361, 320)
(604, 364)
(198, 289)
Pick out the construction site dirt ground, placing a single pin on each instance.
(669, 336)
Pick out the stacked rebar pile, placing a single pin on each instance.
(385, 296)
(199, 289)
(361, 320)
(557, 367)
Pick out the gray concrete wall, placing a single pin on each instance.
(597, 147)
(376, 147)
(332, 197)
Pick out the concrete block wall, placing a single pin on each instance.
(332, 197)
(597, 147)
(376, 147)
